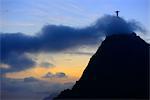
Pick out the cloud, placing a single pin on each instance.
(81, 53)
(54, 38)
(30, 79)
(48, 75)
(57, 75)
(4, 66)
(60, 75)
(47, 65)
(16, 62)
(18, 89)
(110, 25)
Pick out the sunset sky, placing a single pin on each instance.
(60, 63)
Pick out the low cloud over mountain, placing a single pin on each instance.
(52, 38)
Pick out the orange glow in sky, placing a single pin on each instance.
(72, 65)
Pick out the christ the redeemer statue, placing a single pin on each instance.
(117, 12)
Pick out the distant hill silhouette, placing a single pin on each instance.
(119, 69)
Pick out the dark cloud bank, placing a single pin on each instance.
(52, 38)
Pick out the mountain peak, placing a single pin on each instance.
(119, 69)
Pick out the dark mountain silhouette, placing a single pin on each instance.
(119, 69)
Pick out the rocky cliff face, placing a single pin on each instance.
(119, 69)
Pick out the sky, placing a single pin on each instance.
(30, 16)
(45, 64)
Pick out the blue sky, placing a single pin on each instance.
(29, 16)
